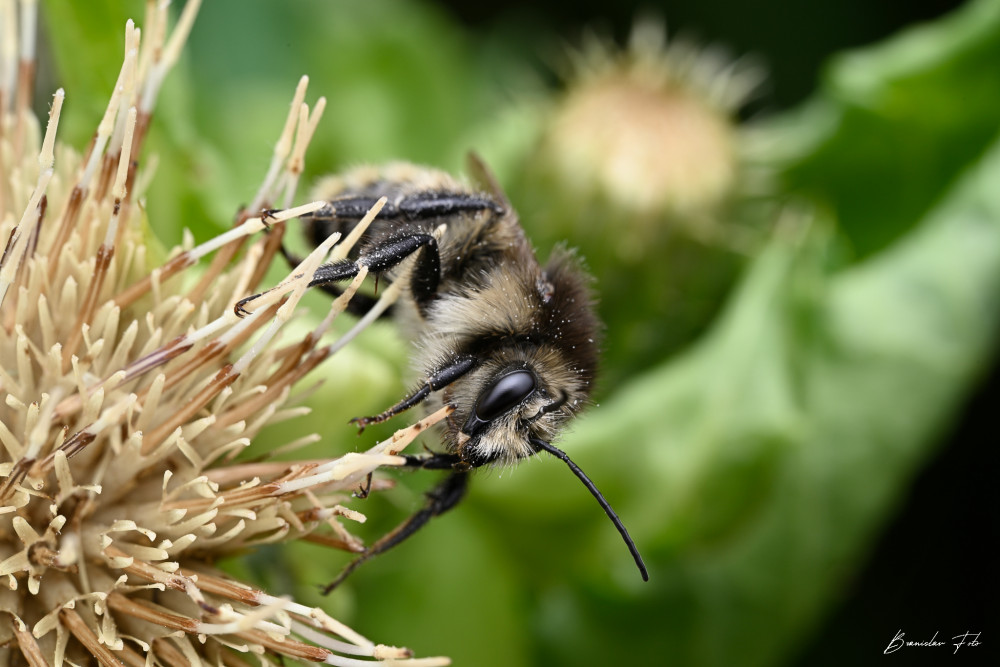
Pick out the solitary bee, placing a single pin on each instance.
(511, 345)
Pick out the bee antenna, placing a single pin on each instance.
(560, 454)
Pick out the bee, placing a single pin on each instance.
(510, 344)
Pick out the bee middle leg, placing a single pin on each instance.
(426, 273)
(423, 281)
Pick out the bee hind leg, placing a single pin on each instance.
(440, 205)
(439, 500)
(418, 206)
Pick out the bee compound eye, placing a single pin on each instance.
(504, 394)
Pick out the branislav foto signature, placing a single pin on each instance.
(958, 641)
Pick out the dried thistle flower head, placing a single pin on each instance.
(126, 397)
(650, 127)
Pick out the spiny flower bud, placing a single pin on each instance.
(640, 162)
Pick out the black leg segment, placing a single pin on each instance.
(435, 461)
(441, 499)
(443, 377)
(422, 206)
(359, 305)
(436, 205)
(336, 272)
(426, 273)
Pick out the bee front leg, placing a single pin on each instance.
(443, 377)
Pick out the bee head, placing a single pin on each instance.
(507, 405)
(515, 415)
(535, 338)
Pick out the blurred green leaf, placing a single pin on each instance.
(907, 117)
(771, 455)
